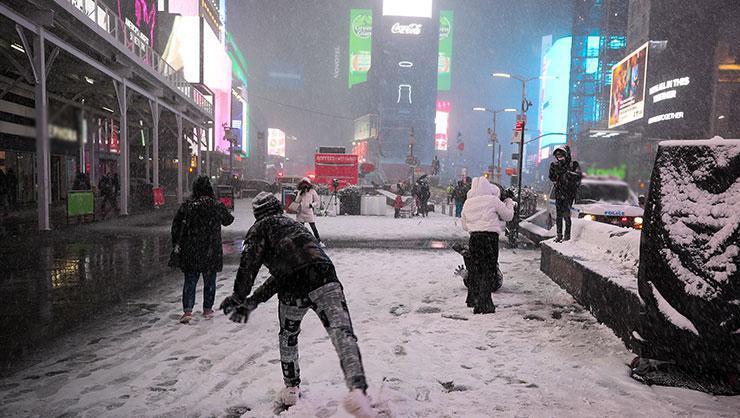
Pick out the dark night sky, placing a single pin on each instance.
(286, 37)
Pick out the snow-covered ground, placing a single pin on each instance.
(425, 353)
(337, 228)
(611, 251)
(435, 226)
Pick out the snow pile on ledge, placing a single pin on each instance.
(611, 251)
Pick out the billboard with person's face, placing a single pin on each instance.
(627, 98)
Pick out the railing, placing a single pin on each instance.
(111, 23)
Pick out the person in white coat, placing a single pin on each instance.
(308, 199)
(484, 215)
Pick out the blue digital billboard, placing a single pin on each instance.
(554, 90)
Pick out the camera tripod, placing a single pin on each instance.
(333, 201)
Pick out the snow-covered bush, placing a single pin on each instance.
(349, 200)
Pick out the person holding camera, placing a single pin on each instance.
(307, 200)
(196, 245)
(566, 177)
(484, 216)
(304, 278)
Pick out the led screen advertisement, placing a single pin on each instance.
(217, 77)
(404, 77)
(360, 45)
(275, 142)
(180, 49)
(441, 124)
(627, 98)
(444, 64)
(408, 8)
(140, 17)
(554, 90)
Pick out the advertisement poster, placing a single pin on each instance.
(441, 122)
(343, 167)
(444, 65)
(275, 142)
(360, 45)
(140, 16)
(627, 98)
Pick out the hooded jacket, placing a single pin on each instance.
(483, 210)
(308, 199)
(566, 175)
(285, 247)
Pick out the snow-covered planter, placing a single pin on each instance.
(689, 256)
(349, 200)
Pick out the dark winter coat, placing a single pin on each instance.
(461, 191)
(566, 177)
(200, 247)
(286, 248)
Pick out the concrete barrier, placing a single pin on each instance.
(598, 269)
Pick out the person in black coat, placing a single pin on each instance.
(566, 177)
(196, 236)
(304, 278)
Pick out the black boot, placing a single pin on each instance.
(559, 238)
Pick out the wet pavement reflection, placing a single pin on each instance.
(48, 288)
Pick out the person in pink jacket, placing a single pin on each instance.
(308, 199)
(484, 215)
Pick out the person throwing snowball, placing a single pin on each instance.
(304, 278)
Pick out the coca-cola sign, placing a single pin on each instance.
(410, 29)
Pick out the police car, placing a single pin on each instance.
(604, 200)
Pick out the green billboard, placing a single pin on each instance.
(360, 45)
(444, 63)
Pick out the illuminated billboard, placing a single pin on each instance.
(441, 123)
(180, 51)
(217, 77)
(360, 45)
(140, 16)
(275, 142)
(554, 90)
(444, 63)
(408, 8)
(627, 98)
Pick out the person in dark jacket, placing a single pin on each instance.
(196, 236)
(304, 278)
(461, 194)
(106, 190)
(566, 177)
(422, 189)
(12, 184)
(4, 201)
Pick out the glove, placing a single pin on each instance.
(229, 304)
(240, 313)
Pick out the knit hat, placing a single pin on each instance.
(266, 204)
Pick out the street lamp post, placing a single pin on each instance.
(525, 107)
(494, 135)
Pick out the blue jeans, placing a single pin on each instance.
(458, 208)
(188, 290)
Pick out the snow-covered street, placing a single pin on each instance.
(425, 353)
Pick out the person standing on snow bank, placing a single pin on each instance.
(566, 177)
(308, 199)
(304, 278)
(196, 238)
(484, 216)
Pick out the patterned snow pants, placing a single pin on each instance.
(330, 305)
